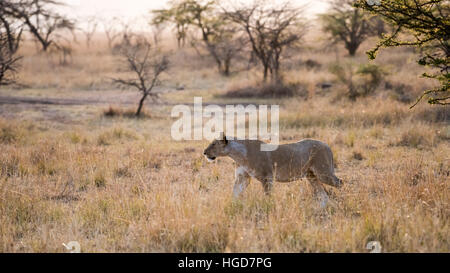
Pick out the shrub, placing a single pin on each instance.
(360, 81)
(311, 64)
(372, 76)
(434, 115)
(400, 92)
(8, 133)
(113, 112)
(272, 90)
(416, 138)
(100, 181)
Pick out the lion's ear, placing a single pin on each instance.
(223, 138)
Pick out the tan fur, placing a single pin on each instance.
(290, 162)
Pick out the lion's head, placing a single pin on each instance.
(216, 148)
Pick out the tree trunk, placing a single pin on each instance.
(44, 42)
(224, 68)
(266, 71)
(276, 75)
(276, 71)
(45, 46)
(226, 71)
(352, 48)
(352, 92)
(141, 104)
(13, 42)
(219, 66)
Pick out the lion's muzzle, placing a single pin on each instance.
(208, 157)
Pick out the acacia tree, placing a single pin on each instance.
(270, 30)
(176, 15)
(9, 61)
(10, 38)
(219, 35)
(147, 64)
(349, 25)
(111, 31)
(89, 29)
(427, 26)
(38, 17)
(11, 33)
(157, 31)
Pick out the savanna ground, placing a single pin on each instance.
(68, 172)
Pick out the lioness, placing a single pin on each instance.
(290, 162)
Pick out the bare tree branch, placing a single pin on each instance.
(270, 29)
(147, 64)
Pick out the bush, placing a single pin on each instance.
(417, 138)
(372, 76)
(400, 92)
(272, 90)
(435, 114)
(310, 64)
(9, 132)
(361, 81)
(7, 135)
(113, 112)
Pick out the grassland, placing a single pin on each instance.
(120, 184)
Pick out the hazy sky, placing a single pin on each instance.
(136, 8)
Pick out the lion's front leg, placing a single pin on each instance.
(267, 185)
(241, 182)
(319, 191)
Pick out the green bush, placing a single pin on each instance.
(360, 81)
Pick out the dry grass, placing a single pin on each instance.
(119, 184)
